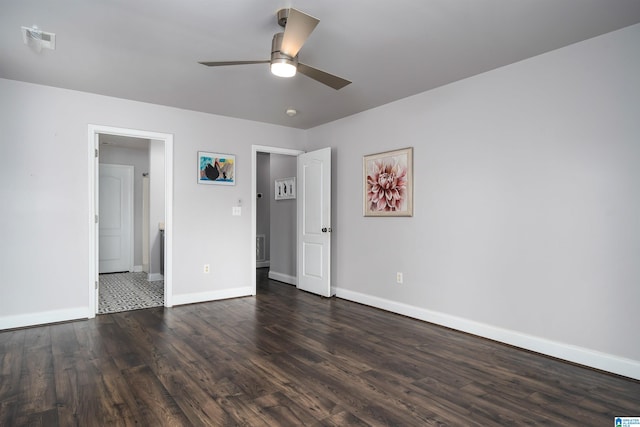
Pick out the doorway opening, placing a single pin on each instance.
(128, 212)
(153, 261)
(276, 228)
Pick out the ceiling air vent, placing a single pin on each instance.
(38, 39)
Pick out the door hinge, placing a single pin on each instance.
(96, 219)
(96, 284)
(96, 153)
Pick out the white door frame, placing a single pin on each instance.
(255, 149)
(167, 139)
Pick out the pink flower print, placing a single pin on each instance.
(386, 186)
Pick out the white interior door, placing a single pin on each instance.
(314, 222)
(115, 218)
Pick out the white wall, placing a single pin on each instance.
(139, 159)
(44, 227)
(283, 222)
(527, 204)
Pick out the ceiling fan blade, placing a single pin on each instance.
(324, 78)
(299, 27)
(221, 63)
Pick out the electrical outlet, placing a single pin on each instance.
(399, 277)
(205, 270)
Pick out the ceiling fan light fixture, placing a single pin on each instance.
(282, 65)
(285, 46)
(283, 68)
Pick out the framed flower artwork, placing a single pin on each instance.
(388, 183)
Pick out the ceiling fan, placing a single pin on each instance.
(285, 47)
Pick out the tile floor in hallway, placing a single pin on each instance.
(128, 291)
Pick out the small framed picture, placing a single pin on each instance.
(285, 188)
(388, 183)
(216, 168)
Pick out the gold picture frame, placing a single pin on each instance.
(388, 183)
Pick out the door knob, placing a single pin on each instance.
(325, 229)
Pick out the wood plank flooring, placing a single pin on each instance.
(286, 357)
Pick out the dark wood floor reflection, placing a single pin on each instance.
(287, 357)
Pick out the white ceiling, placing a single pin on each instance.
(148, 50)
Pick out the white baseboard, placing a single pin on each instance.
(292, 280)
(33, 319)
(583, 356)
(211, 296)
(137, 268)
(262, 264)
(154, 277)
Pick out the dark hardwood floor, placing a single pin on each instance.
(287, 357)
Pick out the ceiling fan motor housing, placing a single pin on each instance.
(279, 57)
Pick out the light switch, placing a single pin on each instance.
(236, 211)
